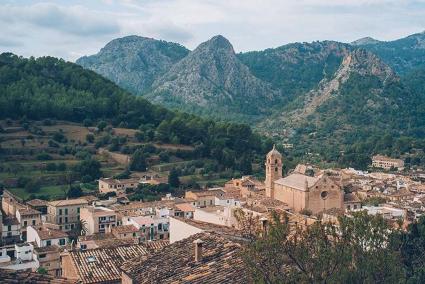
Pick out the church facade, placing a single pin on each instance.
(299, 191)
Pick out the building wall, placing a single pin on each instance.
(68, 269)
(312, 199)
(65, 220)
(180, 230)
(295, 198)
(91, 218)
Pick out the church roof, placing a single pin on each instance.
(274, 153)
(297, 181)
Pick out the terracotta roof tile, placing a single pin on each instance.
(221, 263)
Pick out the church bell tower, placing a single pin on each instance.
(273, 170)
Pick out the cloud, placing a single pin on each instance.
(75, 20)
(70, 28)
(4, 42)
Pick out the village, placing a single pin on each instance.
(90, 240)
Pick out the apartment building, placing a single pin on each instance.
(384, 162)
(64, 214)
(98, 219)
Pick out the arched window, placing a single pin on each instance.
(275, 161)
(275, 169)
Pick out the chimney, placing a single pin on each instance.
(264, 223)
(198, 250)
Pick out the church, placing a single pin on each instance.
(299, 191)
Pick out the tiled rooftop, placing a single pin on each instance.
(102, 264)
(221, 263)
(297, 181)
(13, 276)
(68, 202)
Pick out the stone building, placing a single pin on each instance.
(301, 192)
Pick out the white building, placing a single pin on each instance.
(45, 237)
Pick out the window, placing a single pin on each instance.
(25, 223)
(62, 242)
(60, 211)
(82, 246)
(9, 228)
(134, 234)
(66, 219)
(355, 206)
(33, 222)
(78, 210)
(324, 194)
(60, 227)
(275, 169)
(160, 227)
(72, 226)
(48, 243)
(9, 234)
(60, 220)
(161, 237)
(42, 255)
(66, 211)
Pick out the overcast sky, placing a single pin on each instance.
(72, 28)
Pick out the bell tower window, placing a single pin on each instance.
(275, 169)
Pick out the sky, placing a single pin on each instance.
(72, 28)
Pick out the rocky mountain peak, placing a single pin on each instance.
(217, 43)
(365, 41)
(366, 63)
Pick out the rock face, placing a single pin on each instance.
(403, 55)
(134, 62)
(213, 79)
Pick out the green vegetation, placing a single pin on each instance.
(362, 249)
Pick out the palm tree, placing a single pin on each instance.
(80, 229)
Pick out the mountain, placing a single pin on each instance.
(325, 97)
(296, 68)
(134, 62)
(365, 41)
(49, 88)
(212, 80)
(403, 55)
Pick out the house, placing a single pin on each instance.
(152, 227)
(384, 162)
(204, 198)
(10, 203)
(39, 205)
(44, 236)
(102, 265)
(64, 214)
(205, 257)
(184, 210)
(21, 258)
(127, 232)
(220, 215)
(107, 185)
(98, 219)
(11, 230)
(351, 202)
(27, 217)
(49, 259)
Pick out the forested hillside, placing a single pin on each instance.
(50, 88)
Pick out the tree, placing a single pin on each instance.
(34, 185)
(173, 178)
(138, 161)
(361, 249)
(80, 229)
(102, 125)
(89, 167)
(75, 191)
(90, 138)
